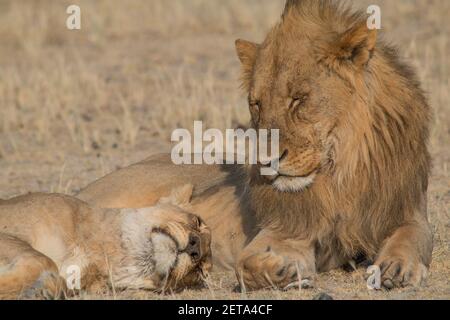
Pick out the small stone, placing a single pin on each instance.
(95, 145)
(323, 296)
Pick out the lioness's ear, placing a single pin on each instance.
(356, 45)
(247, 52)
(180, 196)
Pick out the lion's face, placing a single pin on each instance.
(291, 88)
(300, 100)
(167, 247)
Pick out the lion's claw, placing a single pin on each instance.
(304, 284)
(397, 272)
(271, 271)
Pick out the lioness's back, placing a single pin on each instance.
(21, 215)
(154, 178)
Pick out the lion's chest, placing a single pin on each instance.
(352, 235)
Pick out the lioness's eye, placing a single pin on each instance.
(196, 222)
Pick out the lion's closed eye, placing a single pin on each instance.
(255, 110)
(298, 101)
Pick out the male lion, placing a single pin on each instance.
(354, 167)
(46, 238)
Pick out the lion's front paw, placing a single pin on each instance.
(269, 270)
(399, 272)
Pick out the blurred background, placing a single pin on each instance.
(75, 105)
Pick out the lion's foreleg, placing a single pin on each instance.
(275, 262)
(406, 255)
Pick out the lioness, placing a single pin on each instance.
(46, 238)
(354, 169)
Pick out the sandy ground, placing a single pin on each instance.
(75, 105)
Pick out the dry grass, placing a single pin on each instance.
(75, 105)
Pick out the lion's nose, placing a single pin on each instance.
(266, 161)
(270, 166)
(193, 248)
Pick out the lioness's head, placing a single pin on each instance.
(166, 246)
(306, 79)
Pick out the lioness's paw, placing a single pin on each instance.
(397, 272)
(49, 286)
(37, 292)
(269, 270)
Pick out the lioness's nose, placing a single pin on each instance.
(193, 248)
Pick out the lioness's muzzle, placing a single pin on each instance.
(194, 248)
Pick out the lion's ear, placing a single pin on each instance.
(247, 52)
(356, 45)
(179, 197)
(290, 4)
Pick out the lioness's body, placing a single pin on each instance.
(47, 238)
(219, 198)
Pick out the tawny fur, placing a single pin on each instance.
(352, 115)
(44, 236)
(377, 167)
